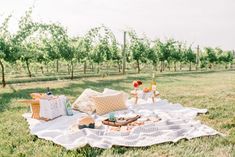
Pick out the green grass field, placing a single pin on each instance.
(212, 90)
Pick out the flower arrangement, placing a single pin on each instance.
(137, 83)
(147, 92)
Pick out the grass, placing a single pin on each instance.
(212, 90)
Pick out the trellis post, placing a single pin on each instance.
(124, 55)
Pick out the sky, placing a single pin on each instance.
(203, 22)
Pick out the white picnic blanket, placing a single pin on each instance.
(177, 122)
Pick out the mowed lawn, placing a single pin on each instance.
(212, 90)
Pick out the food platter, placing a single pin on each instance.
(120, 121)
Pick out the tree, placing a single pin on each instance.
(204, 61)
(67, 48)
(23, 39)
(175, 52)
(152, 55)
(89, 44)
(42, 58)
(102, 44)
(54, 44)
(190, 57)
(138, 48)
(7, 51)
(183, 49)
(169, 49)
(164, 52)
(211, 56)
(116, 54)
(44, 43)
(226, 58)
(138, 53)
(28, 53)
(230, 57)
(85, 54)
(81, 53)
(69, 52)
(99, 52)
(159, 48)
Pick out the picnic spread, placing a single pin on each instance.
(103, 119)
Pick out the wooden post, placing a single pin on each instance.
(57, 65)
(180, 55)
(3, 74)
(232, 65)
(124, 55)
(198, 58)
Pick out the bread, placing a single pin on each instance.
(86, 122)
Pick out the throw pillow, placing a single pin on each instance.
(109, 103)
(84, 102)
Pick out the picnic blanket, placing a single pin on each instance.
(177, 122)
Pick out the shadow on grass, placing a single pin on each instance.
(73, 89)
(6, 98)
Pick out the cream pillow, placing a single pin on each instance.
(109, 103)
(84, 102)
(111, 91)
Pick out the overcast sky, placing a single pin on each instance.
(204, 22)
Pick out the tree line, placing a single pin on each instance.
(37, 42)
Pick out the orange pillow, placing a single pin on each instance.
(109, 103)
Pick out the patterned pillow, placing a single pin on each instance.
(109, 103)
(84, 102)
(111, 91)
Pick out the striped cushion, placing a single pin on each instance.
(109, 103)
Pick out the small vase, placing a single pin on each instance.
(136, 90)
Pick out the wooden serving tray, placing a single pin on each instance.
(119, 124)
